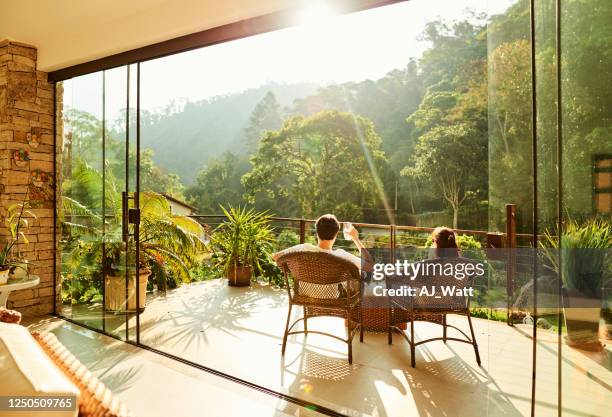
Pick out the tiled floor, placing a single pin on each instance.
(239, 331)
(152, 385)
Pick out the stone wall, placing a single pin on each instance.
(26, 166)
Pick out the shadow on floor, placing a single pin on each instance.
(106, 362)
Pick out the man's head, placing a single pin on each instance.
(327, 227)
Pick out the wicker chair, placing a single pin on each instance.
(431, 309)
(324, 285)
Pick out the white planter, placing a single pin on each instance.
(4, 275)
(582, 320)
(20, 271)
(115, 291)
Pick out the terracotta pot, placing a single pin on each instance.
(582, 315)
(239, 275)
(114, 287)
(4, 275)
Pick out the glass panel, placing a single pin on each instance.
(548, 321)
(397, 129)
(115, 258)
(93, 179)
(511, 183)
(586, 105)
(81, 208)
(327, 117)
(138, 291)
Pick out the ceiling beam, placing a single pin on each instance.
(232, 31)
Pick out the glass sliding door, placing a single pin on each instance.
(96, 200)
(81, 212)
(585, 145)
(494, 121)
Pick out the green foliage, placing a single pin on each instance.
(82, 266)
(243, 239)
(584, 253)
(155, 178)
(328, 162)
(452, 159)
(265, 116)
(463, 241)
(169, 244)
(206, 270)
(488, 314)
(449, 160)
(286, 239)
(204, 130)
(17, 222)
(219, 183)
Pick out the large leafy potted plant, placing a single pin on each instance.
(119, 267)
(581, 257)
(169, 244)
(242, 244)
(17, 219)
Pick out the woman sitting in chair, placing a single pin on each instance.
(444, 241)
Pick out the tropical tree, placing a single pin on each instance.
(219, 183)
(328, 162)
(452, 159)
(265, 116)
(170, 245)
(156, 179)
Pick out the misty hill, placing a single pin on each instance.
(208, 128)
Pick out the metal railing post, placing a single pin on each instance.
(392, 243)
(302, 230)
(510, 247)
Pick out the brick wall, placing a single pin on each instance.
(26, 125)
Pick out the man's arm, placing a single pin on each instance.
(367, 262)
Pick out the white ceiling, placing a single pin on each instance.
(69, 32)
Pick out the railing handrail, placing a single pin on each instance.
(372, 225)
(358, 224)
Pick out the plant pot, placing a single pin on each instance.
(4, 275)
(239, 275)
(114, 288)
(19, 271)
(582, 315)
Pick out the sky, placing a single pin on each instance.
(323, 49)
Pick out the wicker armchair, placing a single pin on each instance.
(431, 309)
(324, 285)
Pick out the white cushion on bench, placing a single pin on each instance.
(26, 370)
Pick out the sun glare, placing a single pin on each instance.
(315, 14)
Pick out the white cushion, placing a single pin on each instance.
(26, 370)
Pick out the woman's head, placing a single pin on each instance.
(445, 241)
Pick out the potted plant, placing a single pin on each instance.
(16, 220)
(242, 244)
(584, 266)
(170, 245)
(117, 269)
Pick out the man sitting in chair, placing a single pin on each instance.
(328, 227)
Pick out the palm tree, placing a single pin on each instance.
(169, 244)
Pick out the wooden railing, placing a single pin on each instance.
(507, 239)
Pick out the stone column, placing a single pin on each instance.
(26, 166)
